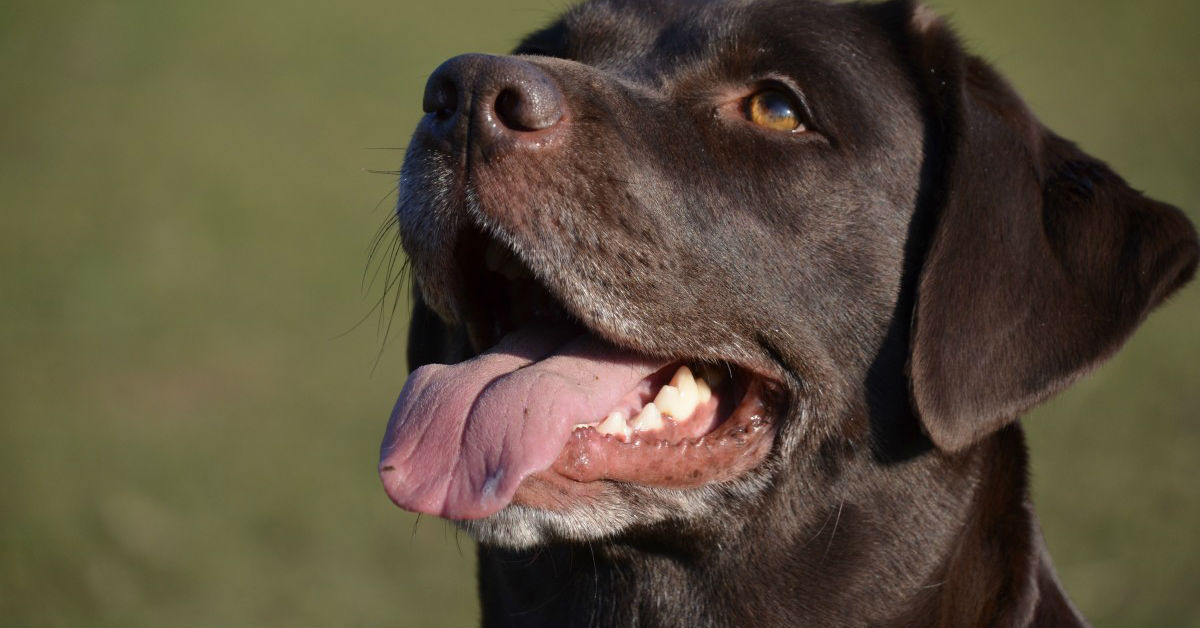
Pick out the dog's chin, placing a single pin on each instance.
(523, 527)
(616, 511)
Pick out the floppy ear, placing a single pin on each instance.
(1041, 260)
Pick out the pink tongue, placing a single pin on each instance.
(462, 437)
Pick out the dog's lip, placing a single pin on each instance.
(590, 461)
(733, 447)
(507, 266)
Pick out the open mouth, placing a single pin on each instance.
(546, 396)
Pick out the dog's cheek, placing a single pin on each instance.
(578, 217)
(428, 218)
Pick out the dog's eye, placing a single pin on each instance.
(773, 109)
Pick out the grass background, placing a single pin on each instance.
(187, 436)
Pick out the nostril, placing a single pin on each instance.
(509, 109)
(441, 97)
(532, 106)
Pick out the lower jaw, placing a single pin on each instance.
(590, 460)
(551, 491)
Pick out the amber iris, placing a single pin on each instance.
(774, 110)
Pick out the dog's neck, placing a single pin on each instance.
(971, 555)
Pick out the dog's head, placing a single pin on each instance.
(826, 229)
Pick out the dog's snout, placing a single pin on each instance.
(504, 98)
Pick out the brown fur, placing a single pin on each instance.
(926, 265)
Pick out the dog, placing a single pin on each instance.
(724, 313)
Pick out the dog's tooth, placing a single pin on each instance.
(683, 378)
(677, 403)
(703, 392)
(648, 419)
(669, 402)
(689, 393)
(615, 425)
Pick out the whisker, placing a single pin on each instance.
(404, 276)
(413, 535)
(833, 532)
(389, 252)
(385, 230)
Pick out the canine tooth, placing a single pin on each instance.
(703, 392)
(614, 424)
(648, 419)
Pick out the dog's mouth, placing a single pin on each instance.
(546, 396)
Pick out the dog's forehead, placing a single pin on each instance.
(656, 40)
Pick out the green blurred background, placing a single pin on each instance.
(187, 435)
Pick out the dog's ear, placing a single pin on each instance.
(1040, 260)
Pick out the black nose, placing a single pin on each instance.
(504, 97)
